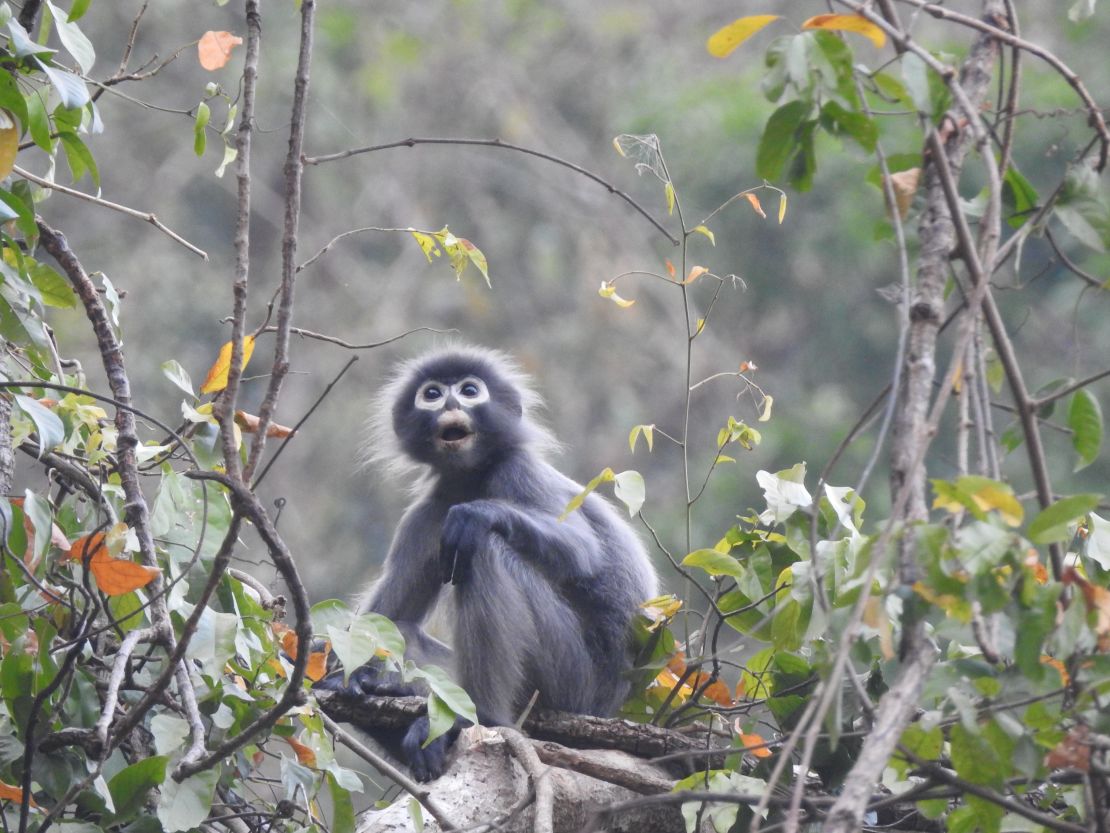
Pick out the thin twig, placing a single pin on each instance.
(294, 170)
(146, 216)
(537, 773)
(497, 143)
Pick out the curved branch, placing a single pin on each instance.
(497, 143)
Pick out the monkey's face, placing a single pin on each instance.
(458, 417)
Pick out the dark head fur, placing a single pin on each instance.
(450, 433)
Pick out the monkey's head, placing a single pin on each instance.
(462, 409)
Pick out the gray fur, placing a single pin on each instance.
(539, 604)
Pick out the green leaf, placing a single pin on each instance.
(416, 815)
(1051, 525)
(1019, 196)
(440, 719)
(78, 9)
(129, 787)
(1085, 421)
(841, 122)
(179, 376)
(73, 39)
(54, 290)
(447, 690)
(38, 123)
(183, 806)
(71, 88)
(170, 733)
(200, 136)
(1098, 540)
(715, 563)
(915, 74)
(780, 141)
(343, 809)
(50, 429)
(629, 488)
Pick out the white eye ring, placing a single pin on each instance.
(463, 392)
(434, 403)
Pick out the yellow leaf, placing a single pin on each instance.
(216, 380)
(214, 49)
(754, 200)
(606, 476)
(304, 755)
(9, 143)
(617, 145)
(10, 793)
(992, 497)
(609, 291)
(722, 42)
(782, 208)
(649, 435)
(668, 190)
(707, 233)
(661, 608)
(848, 23)
(427, 244)
(765, 415)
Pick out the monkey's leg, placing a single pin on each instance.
(515, 635)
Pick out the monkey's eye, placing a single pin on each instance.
(472, 391)
(430, 396)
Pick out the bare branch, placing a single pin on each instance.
(123, 209)
(497, 143)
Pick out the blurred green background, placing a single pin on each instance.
(564, 78)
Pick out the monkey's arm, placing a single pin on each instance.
(563, 550)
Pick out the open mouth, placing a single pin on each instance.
(454, 437)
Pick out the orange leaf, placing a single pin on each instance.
(9, 142)
(305, 755)
(116, 576)
(87, 547)
(216, 380)
(718, 692)
(677, 664)
(695, 273)
(722, 42)
(756, 745)
(670, 269)
(10, 793)
(214, 49)
(249, 424)
(754, 200)
(289, 642)
(1065, 678)
(1073, 752)
(317, 665)
(848, 23)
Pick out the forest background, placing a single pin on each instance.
(565, 78)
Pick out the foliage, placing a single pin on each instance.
(145, 686)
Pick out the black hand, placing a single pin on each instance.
(466, 531)
(368, 680)
(427, 762)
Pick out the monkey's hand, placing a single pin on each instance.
(428, 762)
(466, 532)
(369, 680)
